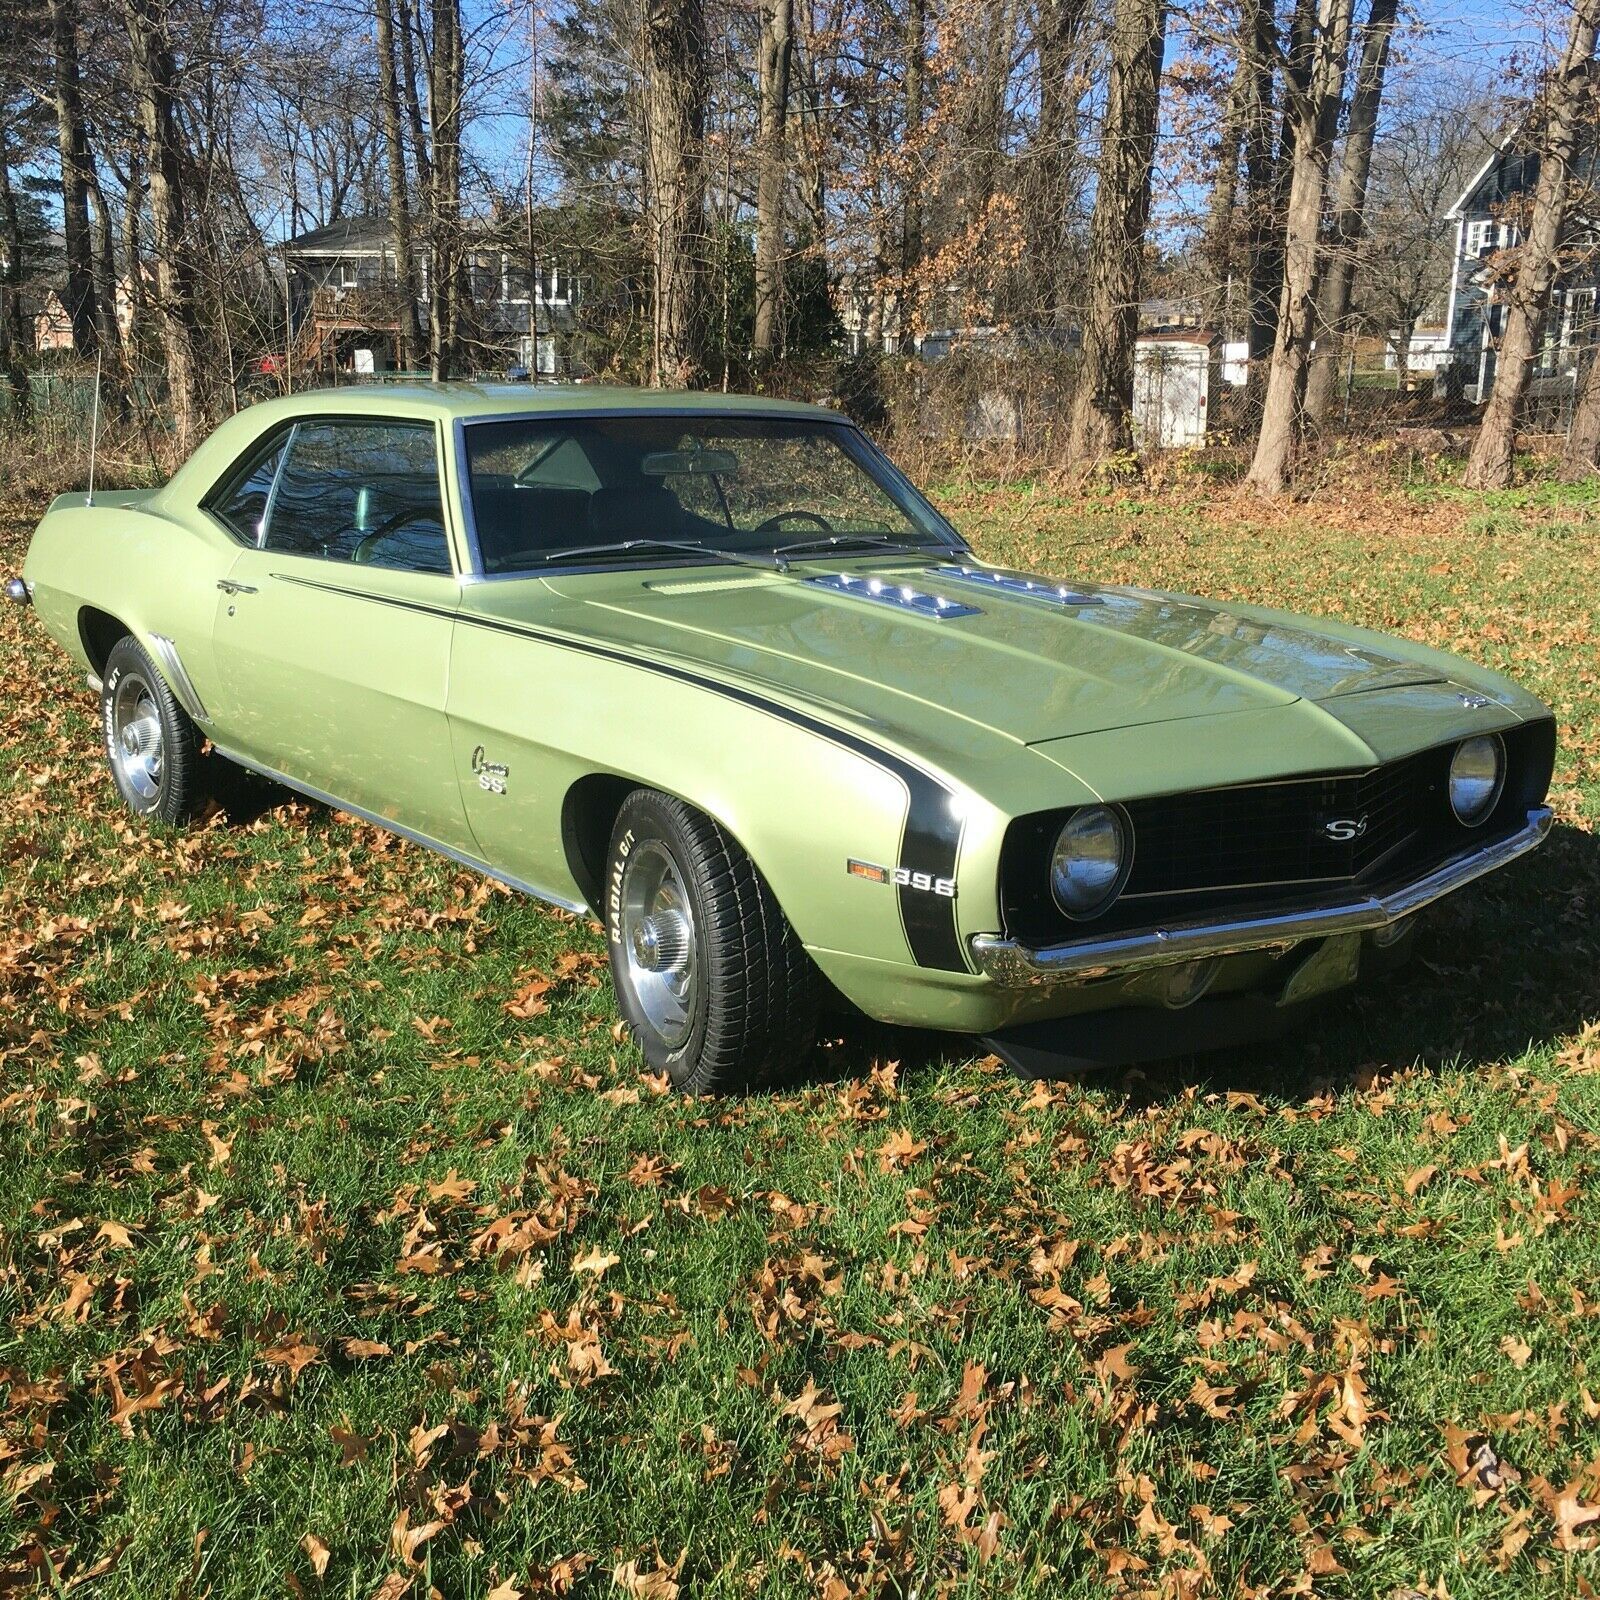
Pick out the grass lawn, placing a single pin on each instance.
(345, 1250)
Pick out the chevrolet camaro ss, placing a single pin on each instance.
(712, 670)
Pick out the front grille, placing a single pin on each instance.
(1265, 845)
(1276, 833)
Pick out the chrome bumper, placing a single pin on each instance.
(1016, 966)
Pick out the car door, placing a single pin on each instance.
(332, 631)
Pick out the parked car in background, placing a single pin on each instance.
(712, 670)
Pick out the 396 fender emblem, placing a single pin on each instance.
(902, 878)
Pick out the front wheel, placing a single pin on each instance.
(710, 977)
(151, 744)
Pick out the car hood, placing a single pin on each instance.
(1016, 666)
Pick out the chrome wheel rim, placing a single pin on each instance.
(136, 738)
(658, 941)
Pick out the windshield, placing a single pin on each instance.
(543, 485)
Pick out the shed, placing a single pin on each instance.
(1176, 375)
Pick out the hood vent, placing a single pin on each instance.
(1019, 583)
(709, 585)
(900, 595)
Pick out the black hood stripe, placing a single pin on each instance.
(930, 840)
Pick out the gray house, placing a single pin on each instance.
(345, 306)
(1487, 221)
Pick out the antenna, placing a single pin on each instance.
(94, 427)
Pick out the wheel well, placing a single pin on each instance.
(588, 815)
(99, 631)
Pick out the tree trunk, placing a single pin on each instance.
(915, 34)
(1268, 162)
(105, 270)
(1102, 405)
(444, 108)
(1315, 116)
(1049, 208)
(813, 159)
(1349, 218)
(675, 90)
(133, 253)
(1579, 453)
(154, 83)
(1219, 244)
(13, 342)
(405, 275)
(777, 46)
(1564, 98)
(72, 141)
(406, 26)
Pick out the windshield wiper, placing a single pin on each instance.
(740, 558)
(836, 541)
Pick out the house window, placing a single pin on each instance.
(347, 278)
(1480, 236)
(1580, 328)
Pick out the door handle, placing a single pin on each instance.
(229, 586)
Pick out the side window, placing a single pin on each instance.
(242, 503)
(366, 492)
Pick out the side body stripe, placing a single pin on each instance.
(930, 840)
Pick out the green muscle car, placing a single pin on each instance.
(713, 670)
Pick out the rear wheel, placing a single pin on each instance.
(710, 977)
(150, 741)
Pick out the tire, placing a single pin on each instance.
(710, 978)
(150, 741)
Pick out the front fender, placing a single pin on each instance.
(804, 797)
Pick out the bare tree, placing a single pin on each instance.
(1103, 402)
(73, 143)
(1349, 216)
(405, 274)
(1051, 164)
(1313, 113)
(12, 337)
(1563, 102)
(154, 82)
(445, 90)
(777, 48)
(675, 88)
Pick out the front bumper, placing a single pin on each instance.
(1017, 966)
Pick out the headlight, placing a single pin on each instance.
(1477, 772)
(1090, 861)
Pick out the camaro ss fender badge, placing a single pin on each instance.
(1474, 702)
(1342, 829)
(491, 774)
(902, 878)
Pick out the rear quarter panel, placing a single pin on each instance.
(152, 571)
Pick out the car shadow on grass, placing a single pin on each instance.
(1506, 968)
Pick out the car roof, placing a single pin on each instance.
(454, 402)
(465, 401)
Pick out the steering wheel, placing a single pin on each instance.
(778, 518)
(386, 529)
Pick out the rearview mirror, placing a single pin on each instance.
(683, 463)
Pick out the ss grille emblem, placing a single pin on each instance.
(1340, 830)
